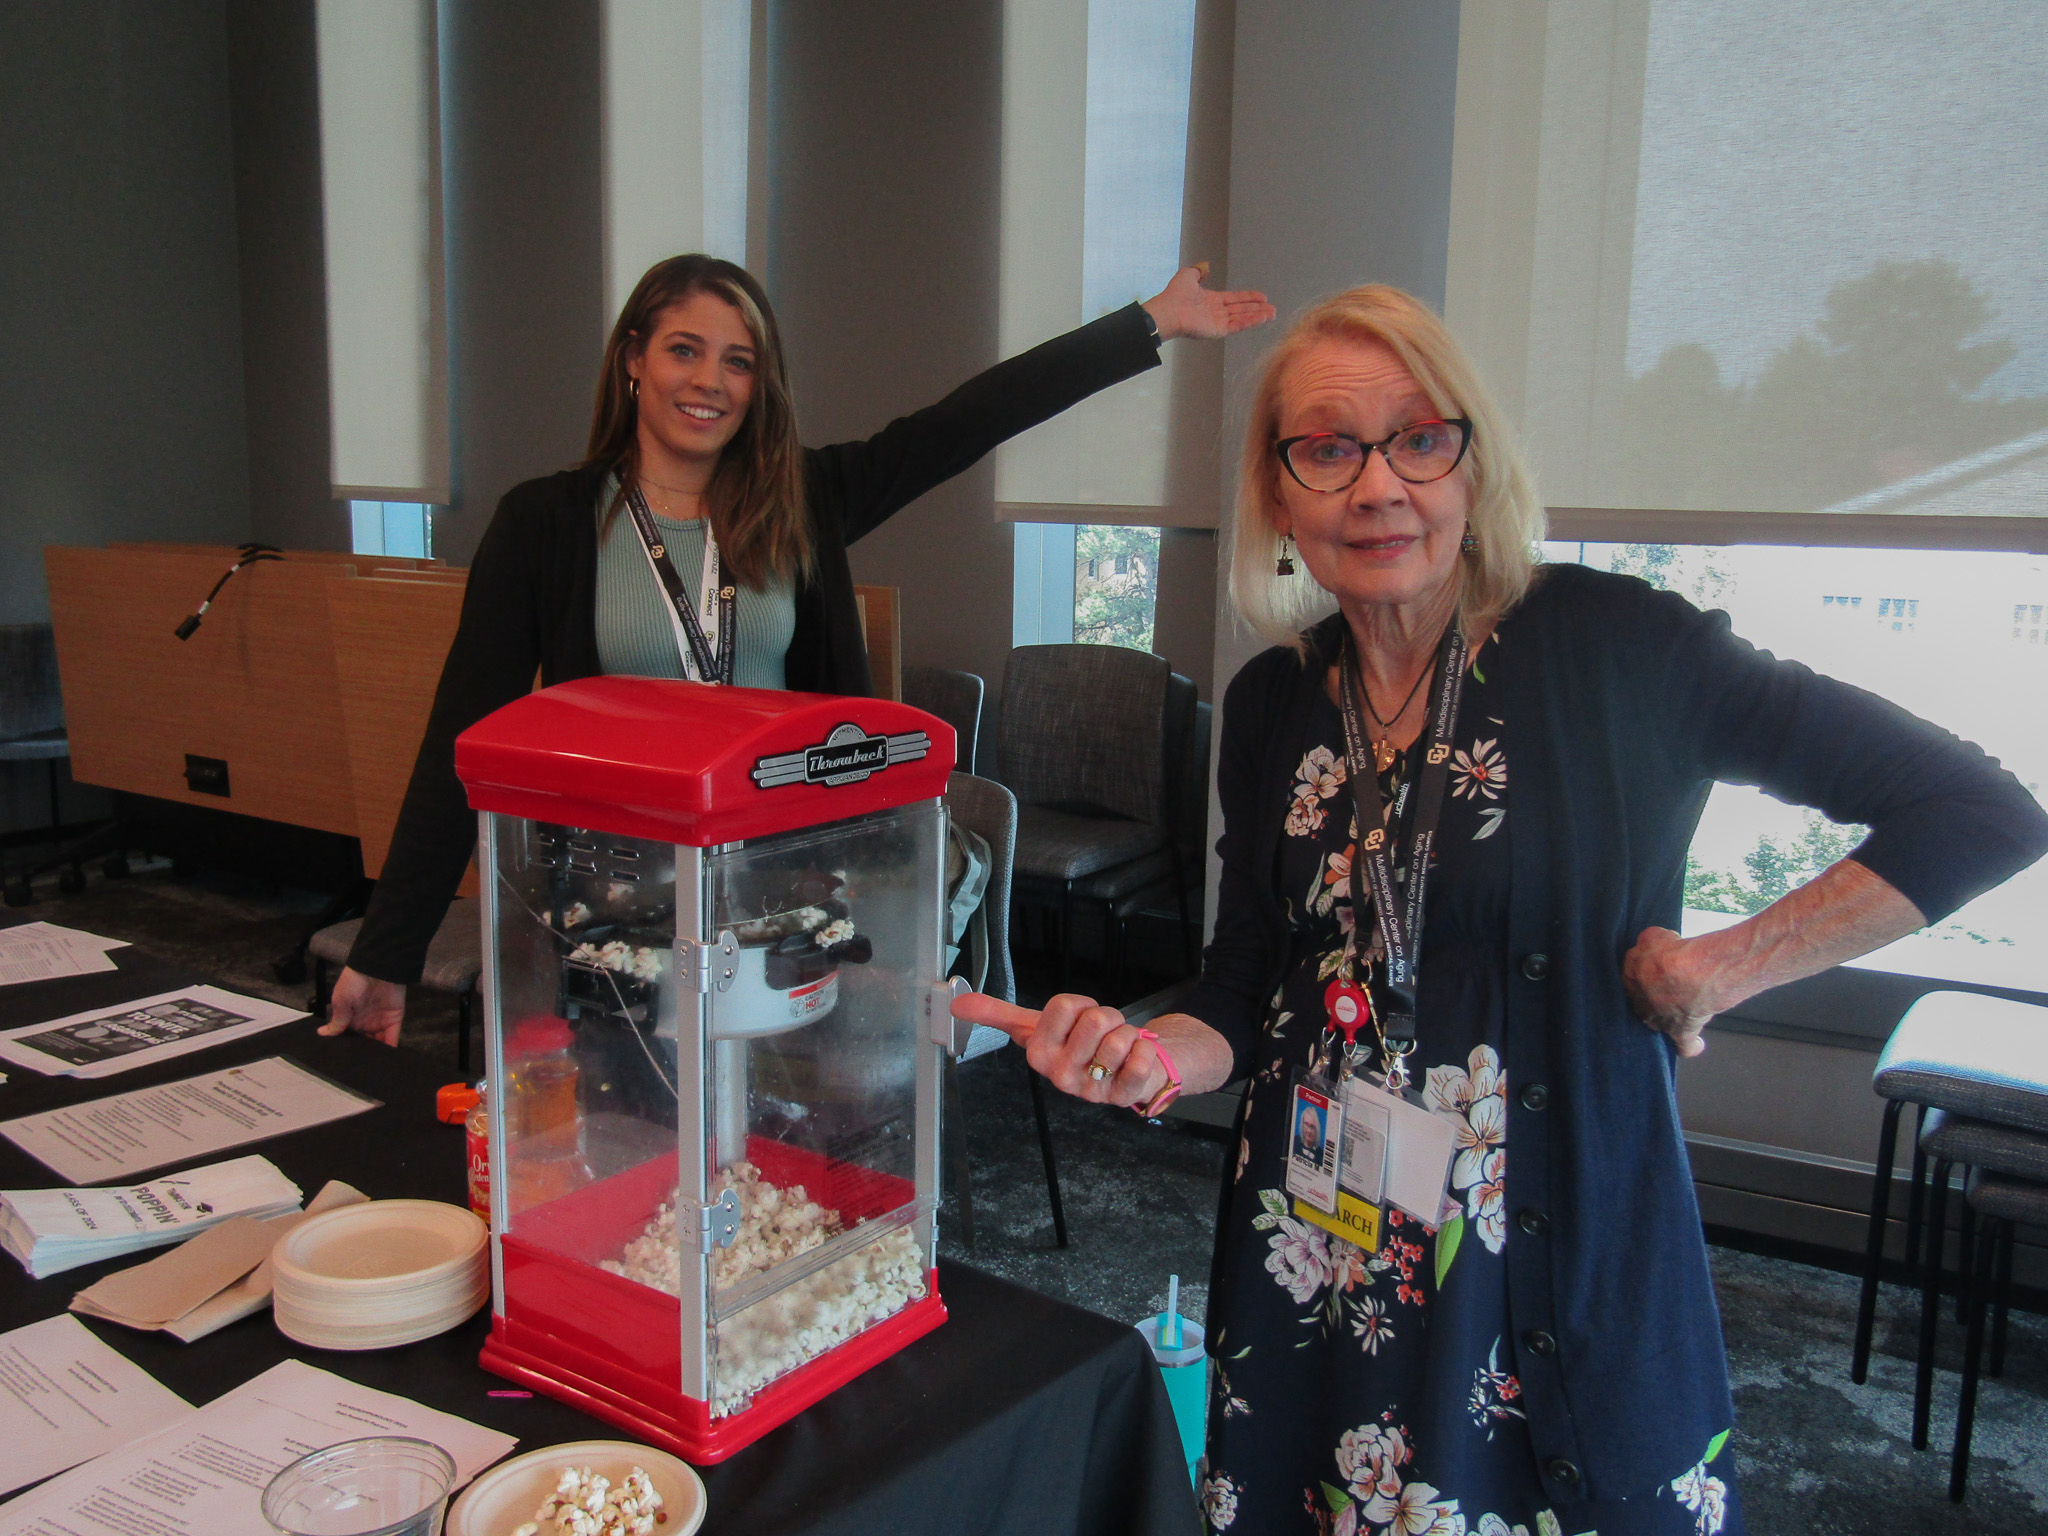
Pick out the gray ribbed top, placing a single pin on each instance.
(635, 635)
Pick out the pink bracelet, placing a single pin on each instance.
(1171, 1091)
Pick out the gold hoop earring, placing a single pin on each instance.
(633, 389)
(1285, 565)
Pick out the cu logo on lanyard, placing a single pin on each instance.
(1374, 839)
(1440, 752)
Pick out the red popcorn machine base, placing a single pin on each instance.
(650, 1409)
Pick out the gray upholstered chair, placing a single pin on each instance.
(455, 961)
(990, 812)
(956, 698)
(1082, 743)
(32, 726)
(1981, 1058)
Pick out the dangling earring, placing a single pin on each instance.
(1468, 544)
(1285, 565)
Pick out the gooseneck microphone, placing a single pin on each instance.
(250, 554)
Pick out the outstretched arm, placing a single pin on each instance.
(1185, 308)
(1061, 1040)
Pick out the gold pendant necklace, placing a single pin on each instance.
(1383, 754)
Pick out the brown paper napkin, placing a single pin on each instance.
(204, 1284)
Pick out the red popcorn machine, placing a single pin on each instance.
(714, 1005)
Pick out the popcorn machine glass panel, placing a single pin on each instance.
(813, 1091)
(586, 954)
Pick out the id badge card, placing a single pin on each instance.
(1420, 1148)
(1315, 1134)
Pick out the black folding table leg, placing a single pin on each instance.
(1873, 1248)
(1976, 1269)
(1052, 1167)
(1930, 1301)
(1916, 1197)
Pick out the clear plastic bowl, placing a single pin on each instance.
(387, 1485)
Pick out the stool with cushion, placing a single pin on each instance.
(1949, 1141)
(454, 962)
(2000, 1202)
(1985, 1058)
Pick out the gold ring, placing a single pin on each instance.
(1097, 1071)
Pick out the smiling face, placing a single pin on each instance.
(1382, 542)
(696, 377)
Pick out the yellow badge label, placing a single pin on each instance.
(1354, 1220)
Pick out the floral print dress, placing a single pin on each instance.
(1361, 1393)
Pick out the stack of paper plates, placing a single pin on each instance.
(382, 1273)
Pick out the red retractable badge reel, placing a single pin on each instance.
(1348, 1008)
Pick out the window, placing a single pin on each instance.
(1751, 849)
(2026, 622)
(1095, 584)
(1116, 585)
(393, 528)
(1708, 276)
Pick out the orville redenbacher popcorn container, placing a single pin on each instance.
(714, 1007)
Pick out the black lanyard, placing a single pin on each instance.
(708, 669)
(1398, 914)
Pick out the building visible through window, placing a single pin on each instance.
(2026, 622)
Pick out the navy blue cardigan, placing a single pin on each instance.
(1623, 705)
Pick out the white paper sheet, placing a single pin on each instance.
(103, 1041)
(206, 1472)
(130, 1133)
(43, 952)
(65, 1397)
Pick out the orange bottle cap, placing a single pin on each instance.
(453, 1103)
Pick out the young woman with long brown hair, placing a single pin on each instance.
(700, 539)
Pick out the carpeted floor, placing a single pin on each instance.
(1818, 1454)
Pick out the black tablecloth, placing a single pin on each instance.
(1020, 1413)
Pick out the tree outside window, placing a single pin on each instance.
(1116, 585)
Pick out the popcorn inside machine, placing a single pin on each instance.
(714, 1006)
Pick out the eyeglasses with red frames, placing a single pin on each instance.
(1419, 453)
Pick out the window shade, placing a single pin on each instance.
(676, 78)
(1723, 258)
(380, 176)
(1095, 154)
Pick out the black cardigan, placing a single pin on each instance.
(531, 603)
(1622, 705)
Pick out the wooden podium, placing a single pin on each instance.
(303, 695)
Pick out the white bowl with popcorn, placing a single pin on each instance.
(587, 1488)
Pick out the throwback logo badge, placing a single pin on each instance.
(847, 756)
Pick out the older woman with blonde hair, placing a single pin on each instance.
(1490, 1311)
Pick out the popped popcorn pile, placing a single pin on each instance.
(835, 932)
(801, 1321)
(641, 963)
(586, 1504)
